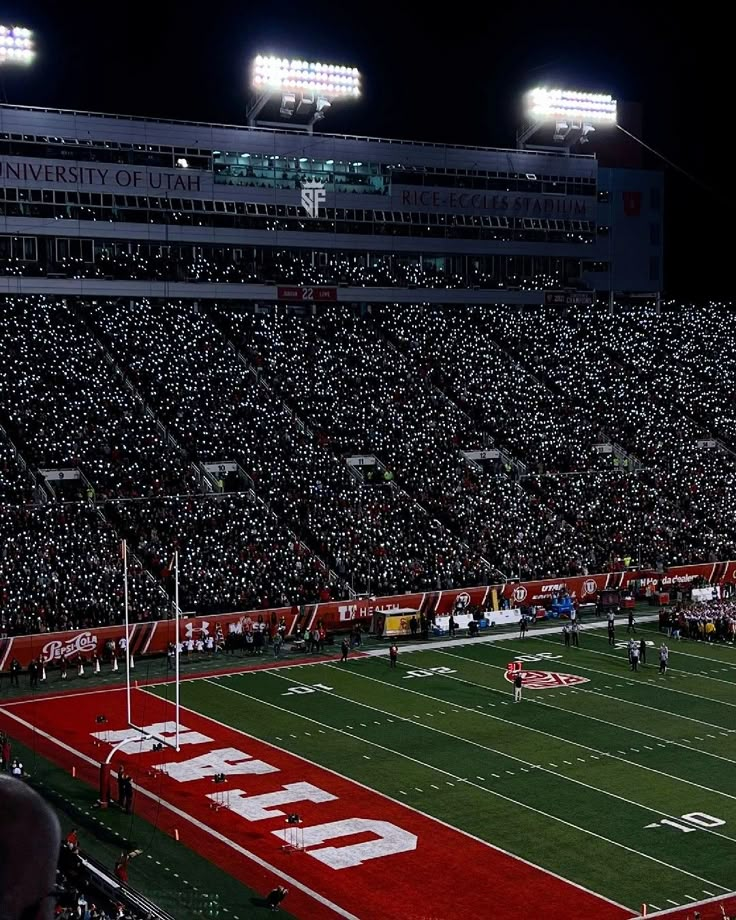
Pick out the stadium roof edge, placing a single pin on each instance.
(349, 137)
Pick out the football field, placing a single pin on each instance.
(423, 790)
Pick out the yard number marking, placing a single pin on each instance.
(698, 820)
(300, 690)
(428, 672)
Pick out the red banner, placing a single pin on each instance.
(154, 638)
(581, 588)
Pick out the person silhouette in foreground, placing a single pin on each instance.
(29, 852)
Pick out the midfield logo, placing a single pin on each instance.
(546, 680)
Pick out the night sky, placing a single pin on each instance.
(454, 76)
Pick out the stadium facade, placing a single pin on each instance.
(227, 212)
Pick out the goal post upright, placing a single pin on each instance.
(133, 725)
(177, 642)
(127, 631)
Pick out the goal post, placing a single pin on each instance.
(129, 683)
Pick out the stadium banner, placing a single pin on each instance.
(153, 638)
(340, 614)
(580, 588)
(457, 600)
(711, 572)
(344, 614)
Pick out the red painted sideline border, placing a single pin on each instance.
(461, 868)
(154, 637)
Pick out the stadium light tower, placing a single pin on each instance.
(569, 116)
(296, 92)
(16, 45)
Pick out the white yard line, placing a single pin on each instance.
(458, 707)
(585, 715)
(527, 763)
(389, 798)
(659, 686)
(675, 650)
(278, 873)
(609, 676)
(467, 782)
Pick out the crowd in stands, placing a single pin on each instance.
(61, 568)
(235, 555)
(219, 410)
(365, 397)
(287, 266)
(62, 401)
(137, 394)
(16, 484)
(80, 892)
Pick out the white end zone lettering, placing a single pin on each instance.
(229, 761)
(261, 807)
(389, 841)
(141, 745)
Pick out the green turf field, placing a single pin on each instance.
(590, 781)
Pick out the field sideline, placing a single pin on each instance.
(601, 791)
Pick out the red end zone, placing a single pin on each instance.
(366, 856)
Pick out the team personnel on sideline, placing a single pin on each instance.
(393, 655)
(611, 630)
(566, 634)
(575, 632)
(643, 651)
(664, 658)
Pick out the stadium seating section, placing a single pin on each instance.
(138, 396)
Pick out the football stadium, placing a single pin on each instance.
(382, 465)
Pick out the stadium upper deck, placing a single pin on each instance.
(106, 205)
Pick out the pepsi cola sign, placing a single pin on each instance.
(77, 644)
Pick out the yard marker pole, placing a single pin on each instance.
(176, 636)
(127, 630)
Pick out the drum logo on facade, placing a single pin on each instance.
(520, 594)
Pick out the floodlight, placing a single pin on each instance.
(16, 45)
(282, 75)
(544, 104)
